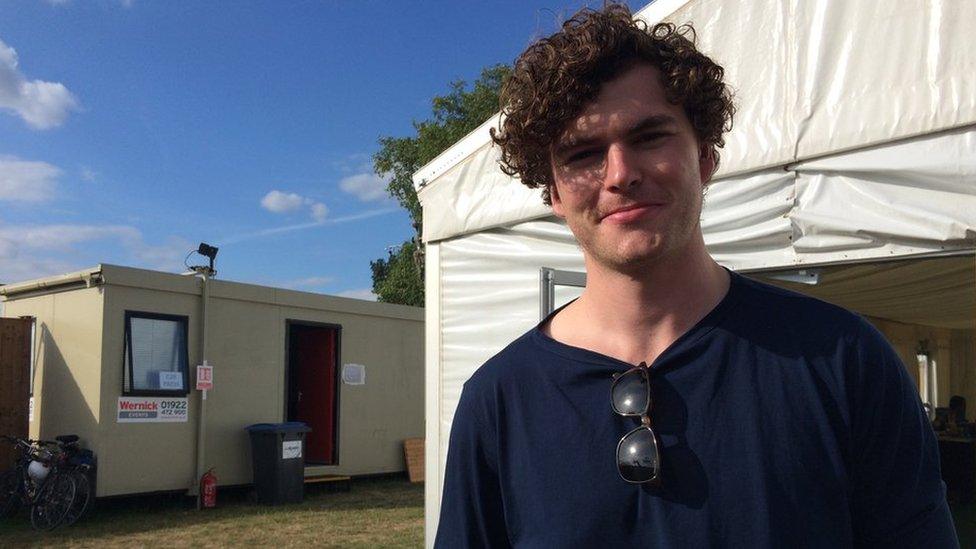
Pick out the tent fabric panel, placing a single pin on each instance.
(825, 79)
(828, 77)
(916, 195)
(489, 295)
(873, 72)
(476, 195)
(911, 197)
(467, 145)
(761, 73)
(745, 220)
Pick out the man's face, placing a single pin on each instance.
(629, 173)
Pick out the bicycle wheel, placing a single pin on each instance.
(83, 498)
(54, 501)
(10, 493)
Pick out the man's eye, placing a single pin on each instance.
(649, 137)
(581, 156)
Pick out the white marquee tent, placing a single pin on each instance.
(854, 146)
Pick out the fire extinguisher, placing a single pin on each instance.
(208, 490)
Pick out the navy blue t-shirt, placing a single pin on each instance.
(783, 421)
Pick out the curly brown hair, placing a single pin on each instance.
(556, 77)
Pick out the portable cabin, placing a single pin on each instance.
(850, 175)
(115, 351)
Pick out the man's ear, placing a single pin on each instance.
(707, 162)
(557, 204)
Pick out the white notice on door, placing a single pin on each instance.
(291, 449)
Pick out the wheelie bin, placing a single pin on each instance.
(278, 457)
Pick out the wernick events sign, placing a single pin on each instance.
(152, 410)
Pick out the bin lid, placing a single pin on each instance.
(286, 427)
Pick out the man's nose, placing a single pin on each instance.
(622, 171)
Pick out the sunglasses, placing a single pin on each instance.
(638, 458)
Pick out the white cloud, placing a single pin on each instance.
(62, 237)
(28, 268)
(28, 252)
(280, 202)
(167, 256)
(362, 293)
(367, 187)
(319, 211)
(353, 163)
(283, 202)
(41, 104)
(87, 173)
(34, 251)
(303, 226)
(26, 180)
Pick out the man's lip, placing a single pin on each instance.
(629, 213)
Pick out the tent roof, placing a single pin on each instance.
(813, 80)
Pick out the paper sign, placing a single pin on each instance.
(354, 374)
(170, 381)
(152, 410)
(291, 449)
(30, 409)
(204, 377)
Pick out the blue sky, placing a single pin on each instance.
(132, 130)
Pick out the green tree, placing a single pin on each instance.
(399, 278)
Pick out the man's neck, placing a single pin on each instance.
(635, 318)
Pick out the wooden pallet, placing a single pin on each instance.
(413, 451)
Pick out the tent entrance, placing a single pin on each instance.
(312, 388)
(925, 307)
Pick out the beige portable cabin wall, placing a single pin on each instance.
(855, 141)
(66, 380)
(247, 348)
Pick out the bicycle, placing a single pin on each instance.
(39, 480)
(80, 463)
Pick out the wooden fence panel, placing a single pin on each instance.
(15, 353)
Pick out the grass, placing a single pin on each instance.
(374, 513)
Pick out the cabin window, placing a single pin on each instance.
(155, 358)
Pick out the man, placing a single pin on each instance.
(674, 403)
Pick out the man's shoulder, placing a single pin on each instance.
(786, 319)
(775, 304)
(506, 365)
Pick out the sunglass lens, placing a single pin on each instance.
(629, 393)
(637, 457)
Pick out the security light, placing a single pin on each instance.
(209, 252)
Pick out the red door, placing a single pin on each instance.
(316, 371)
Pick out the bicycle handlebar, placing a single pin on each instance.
(16, 440)
(29, 443)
